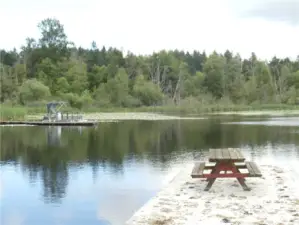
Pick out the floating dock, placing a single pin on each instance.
(55, 118)
(49, 123)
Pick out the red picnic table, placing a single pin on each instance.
(228, 163)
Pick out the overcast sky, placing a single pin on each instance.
(267, 27)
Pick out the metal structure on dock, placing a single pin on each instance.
(55, 115)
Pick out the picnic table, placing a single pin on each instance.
(228, 163)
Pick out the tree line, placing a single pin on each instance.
(53, 68)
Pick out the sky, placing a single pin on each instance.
(267, 27)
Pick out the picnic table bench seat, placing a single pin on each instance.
(198, 169)
(253, 170)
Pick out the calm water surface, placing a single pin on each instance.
(54, 175)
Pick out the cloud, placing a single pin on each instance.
(286, 11)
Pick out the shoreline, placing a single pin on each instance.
(150, 116)
(118, 116)
(272, 200)
(105, 116)
(294, 112)
(25, 112)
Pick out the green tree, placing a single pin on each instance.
(193, 85)
(147, 92)
(96, 76)
(76, 76)
(214, 70)
(106, 77)
(33, 90)
(62, 86)
(232, 75)
(47, 73)
(8, 84)
(53, 39)
(282, 85)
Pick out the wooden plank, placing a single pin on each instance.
(201, 168)
(195, 168)
(209, 167)
(250, 169)
(233, 154)
(239, 154)
(219, 155)
(241, 166)
(197, 171)
(256, 170)
(212, 154)
(225, 175)
(225, 154)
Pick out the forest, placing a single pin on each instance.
(54, 68)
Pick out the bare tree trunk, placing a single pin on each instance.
(158, 74)
(177, 91)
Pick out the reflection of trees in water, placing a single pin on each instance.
(50, 168)
(29, 147)
(55, 180)
(111, 144)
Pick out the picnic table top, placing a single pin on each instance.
(231, 154)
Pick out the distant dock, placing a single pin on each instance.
(49, 123)
(54, 117)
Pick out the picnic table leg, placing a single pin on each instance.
(239, 171)
(242, 183)
(215, 170)
(241, 180)
(226, 166)
(209, 185)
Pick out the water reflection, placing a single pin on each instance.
(54, 135)
(86, 171)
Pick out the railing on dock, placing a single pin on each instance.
(71, 116)
(64, 117)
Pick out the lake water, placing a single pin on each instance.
(63, 175)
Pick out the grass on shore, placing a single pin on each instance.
(12, 113)
(20, 112)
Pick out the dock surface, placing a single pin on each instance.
(49, 123)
